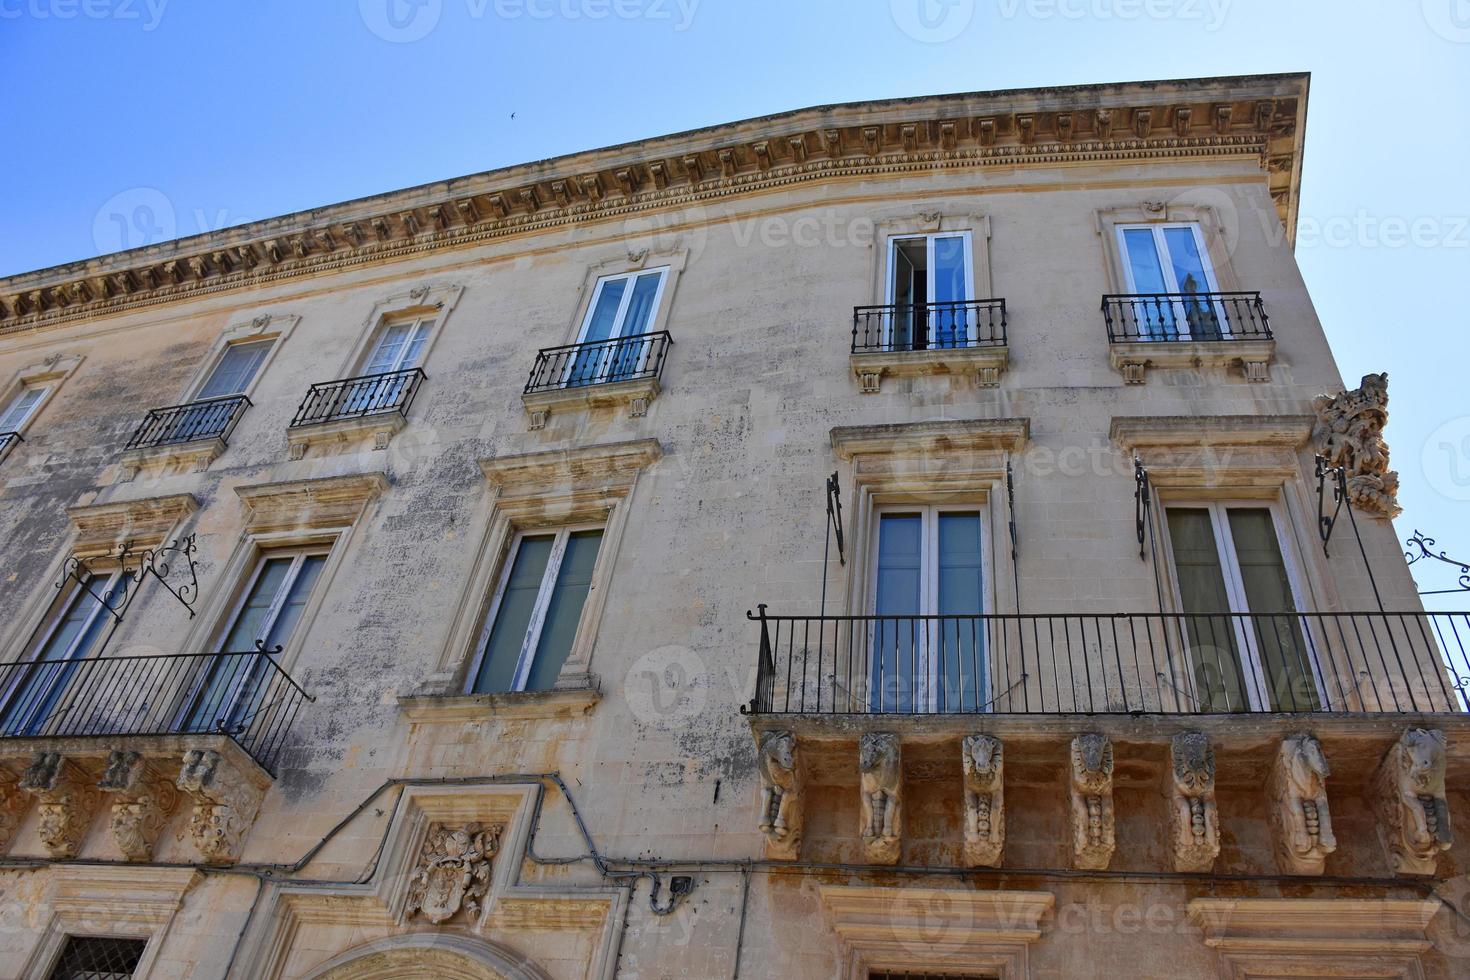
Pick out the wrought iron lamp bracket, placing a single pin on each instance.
(1421, 549)
(834, 516)
(1142, 492)
(158, 562)
(1326, 522)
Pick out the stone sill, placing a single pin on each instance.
(196, 454)
(1132, 357)
(987, 364)
(636, 395)
(381, 428)
(564, 702)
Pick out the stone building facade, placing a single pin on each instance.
(876, 539)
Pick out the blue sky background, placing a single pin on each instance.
(190, 115)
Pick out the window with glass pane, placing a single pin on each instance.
(235, 370)
(928, 285)
(399, 347)
(1248, 650)
(535, 612)
(265, 619)
(927, 646)
(1170, 259)
(20, 409)
(623, 308)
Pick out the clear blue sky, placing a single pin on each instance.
(223, 111)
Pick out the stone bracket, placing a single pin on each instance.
(985, 364)
(67, 800)
(226, 801)
(344, 435)
(781, 802)
(1189, 789)
(880, 765)
(142, 801)
(1133, 358)
(635, 396)
(1407, 793)
(1093, 825)
(1300, 818)
(983, 762)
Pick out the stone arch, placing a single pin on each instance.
(436, 955)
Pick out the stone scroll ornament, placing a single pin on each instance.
(66, 800)
(453, 873)
(1408, 797)
(1349, 433)
(1300, 817)
(1092, 819)
(781, 817)
(985, 813)
(141, 803)
(880, 767)
(1190, 790)
(225, 804)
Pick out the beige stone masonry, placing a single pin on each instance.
(320, 504)
(101, 528)
(226, 797)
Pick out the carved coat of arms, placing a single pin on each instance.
(453, 872)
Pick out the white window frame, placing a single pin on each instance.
(620, 317)
(1161, 247)
(298, 556)
(17, 398)
(889, 284)
(929, 586)
(1251, 666)
(219, 358)
(419, 326)
(524, 660)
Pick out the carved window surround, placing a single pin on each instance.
(572, 701)
(427, 299)
(266, 326)
(1315, 937)
(587, 485)
(322, 504)
(49, 374)
(911, 929)
(100, 528)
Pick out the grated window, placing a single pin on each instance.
(98, 958)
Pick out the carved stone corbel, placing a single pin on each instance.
(14, 802)
(1189, 788)
(67, 802)
(1408, 796)
(781, 803)
(141, 803)
(1093, 834)
(880, 765)
(985, 816)
(1300, 818)
(225, 804)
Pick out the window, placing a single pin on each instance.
(1171, 258)
(264, 619)
(34, 686)
(399, 348)
(1236, 588)
(98, 958)
(623, 307)
(929, 284)
(534, 615)
(929, 563)
(21, 408)
(235, 370)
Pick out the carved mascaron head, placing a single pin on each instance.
(1092, 762)
(876, 752)
(1306, 763)
(1194, 763)
(1423, 760)
(982, 757)
(779, 749)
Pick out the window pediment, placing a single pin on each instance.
(1213, 451)
(318, 504)
(102, 527)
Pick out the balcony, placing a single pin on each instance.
(1182, 330)
(372, 407)
(620, 372)
(957, 338)
(8, 441)
(193, 434)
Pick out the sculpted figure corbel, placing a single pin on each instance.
(14, 802)
(1408, 796)
(67, 802)
(880, 765)
(141, 803)
(225, 804)
(781, 804)
(985, 815)
(1299, 814)
(1190, 790)
(1093, 836)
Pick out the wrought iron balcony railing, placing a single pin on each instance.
(1125, 663)
(246, 696)
(1166, 317)
(209, 418)
(929, 326)
(8, 441)
(635, 358)
(353, 398)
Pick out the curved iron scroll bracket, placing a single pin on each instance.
(1325, 521)
(1420, 548)
(1141, 504)
(834, 515)
(159, 563)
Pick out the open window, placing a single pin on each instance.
(929, 288)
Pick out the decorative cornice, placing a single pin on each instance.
(1256, 116)
(101, 527)
(960, 435)
(1314, 925)
(610, 462)
(328, 502)
(1183, 431)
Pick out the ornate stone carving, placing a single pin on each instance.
(1408, 796)
(1349, 433)
(1190, 791)
(67, 801)
(141, 803)
(225, 804)
(1299, 815)
(781, 817)
(982, 757)
(13, 804)
(881, 769)
(453, 872)
(1092, 802)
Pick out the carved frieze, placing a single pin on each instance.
(1093, 834)
(1349, 433)
(1298, 809)
(1408, 797)
(67, 801)
(226, 802)
(880, 766)
(781, 813)
(983, 762)
(141, 803)
(453, 872)
(1189, 788)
